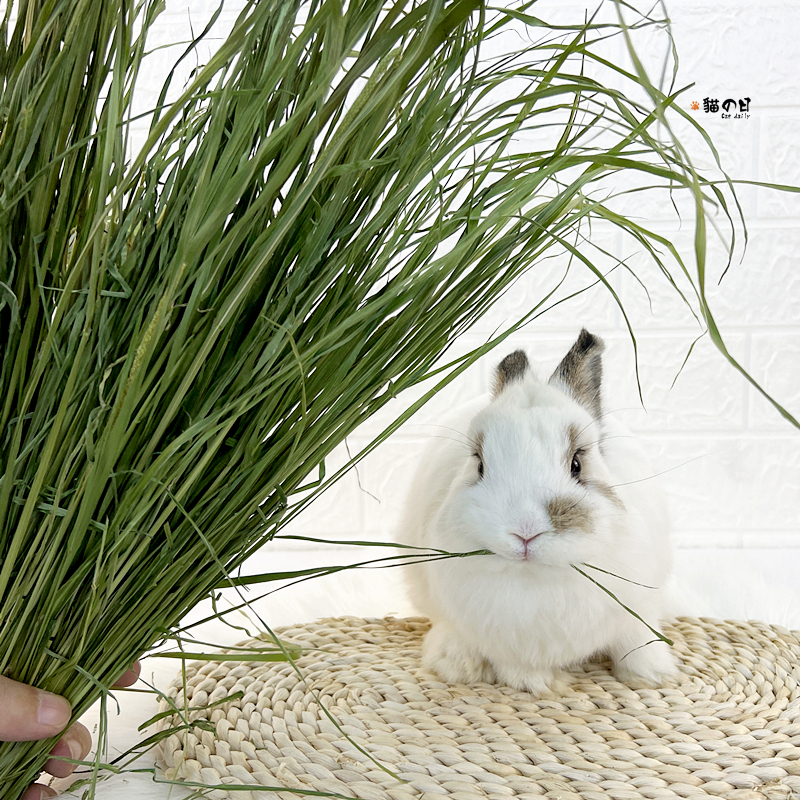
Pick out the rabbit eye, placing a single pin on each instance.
(480, 464)
(576, 466)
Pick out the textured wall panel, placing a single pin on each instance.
(730, 462)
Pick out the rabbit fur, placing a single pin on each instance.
(541, 477)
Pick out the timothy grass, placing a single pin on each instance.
(186, 334)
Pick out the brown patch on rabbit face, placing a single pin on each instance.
(607, 492)
(573, 435)
(567, 513)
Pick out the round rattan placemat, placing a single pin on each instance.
(729, 729)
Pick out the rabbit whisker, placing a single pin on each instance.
(663, 472)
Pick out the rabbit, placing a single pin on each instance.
(539, 476)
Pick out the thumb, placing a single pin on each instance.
(27, 714)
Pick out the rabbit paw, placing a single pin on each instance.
(542, 683)
(652, 664)
(453, 659)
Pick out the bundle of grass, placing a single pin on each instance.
(187, 334)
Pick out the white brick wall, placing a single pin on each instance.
(732, 465)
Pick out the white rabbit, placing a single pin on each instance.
(541, 477)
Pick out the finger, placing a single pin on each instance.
(39, 792)
(75, 744)
(131, 676)
(30, 714)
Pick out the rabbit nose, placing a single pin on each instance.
(526, 540)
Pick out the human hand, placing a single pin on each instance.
(30, 714)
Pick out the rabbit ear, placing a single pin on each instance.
(581, 371)
(512, 368)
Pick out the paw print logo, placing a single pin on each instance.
(695, 105)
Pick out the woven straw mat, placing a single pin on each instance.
(729, 728)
